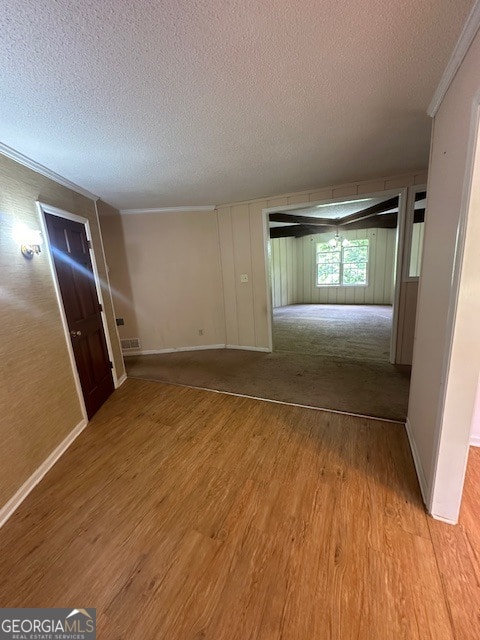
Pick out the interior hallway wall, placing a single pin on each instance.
(38, 397)
(116, 258)
(446, 360)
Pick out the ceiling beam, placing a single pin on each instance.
(287, 217)
(391, 203)
(298, 230)
(380, 221)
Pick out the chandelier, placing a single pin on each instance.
(338, 241)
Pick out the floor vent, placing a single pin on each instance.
(130, 343)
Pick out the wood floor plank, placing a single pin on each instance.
(186, 514)
(458, 556)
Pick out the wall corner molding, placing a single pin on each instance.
(119, 381)
(16, 500)
(44, 171)
(206, 207)
(467, 35)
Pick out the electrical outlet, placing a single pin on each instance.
(244, 277)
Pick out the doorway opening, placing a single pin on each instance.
(339, 284)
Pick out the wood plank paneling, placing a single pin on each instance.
(226, 240)
(293, 271)
(235, 311)
(406, 321)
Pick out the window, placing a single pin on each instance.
(343, 265)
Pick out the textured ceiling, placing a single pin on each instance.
(188, 102)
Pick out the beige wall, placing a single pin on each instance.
(446, 362)
(174, 279)
(116, 259)
(242, 233)
(38, 398)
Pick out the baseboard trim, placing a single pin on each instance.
(442, 519)
(475, 441)
(242, 348)
(151, 352)
(15, 501)
(422, 481)
(120, 381)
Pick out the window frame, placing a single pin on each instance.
(340, 250)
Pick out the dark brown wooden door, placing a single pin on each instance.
(71, 255)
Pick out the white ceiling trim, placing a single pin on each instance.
(44, 171)
(208, 207)
(469, 31)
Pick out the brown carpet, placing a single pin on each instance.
(361, 332)
(366, 386)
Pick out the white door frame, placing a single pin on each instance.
(452, 442)
(398, 260)
(54, 211)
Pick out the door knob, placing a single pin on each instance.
(75, 334)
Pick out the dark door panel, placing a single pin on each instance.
(71, 256)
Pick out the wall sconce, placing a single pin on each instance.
(30, 241)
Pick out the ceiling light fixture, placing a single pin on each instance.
(338, 241)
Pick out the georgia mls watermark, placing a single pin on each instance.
(48, 624)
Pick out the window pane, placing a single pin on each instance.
(355, 274)
(323, 246)
(355, 254)
(328, 274)
(328, 257)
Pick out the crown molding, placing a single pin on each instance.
(44, 171)
(467, 35)
(208, 207)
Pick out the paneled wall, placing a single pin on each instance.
(247, 304)
(293, 270)
(283, 265)
(379, 289)
(39, 401)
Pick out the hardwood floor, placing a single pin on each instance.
(187, 514)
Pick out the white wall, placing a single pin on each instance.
(293, 270)
(175, 279)
(446, 357)
(475, 429)
(379, 289)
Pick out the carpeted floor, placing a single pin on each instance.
(366, 384)
(361, 332)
